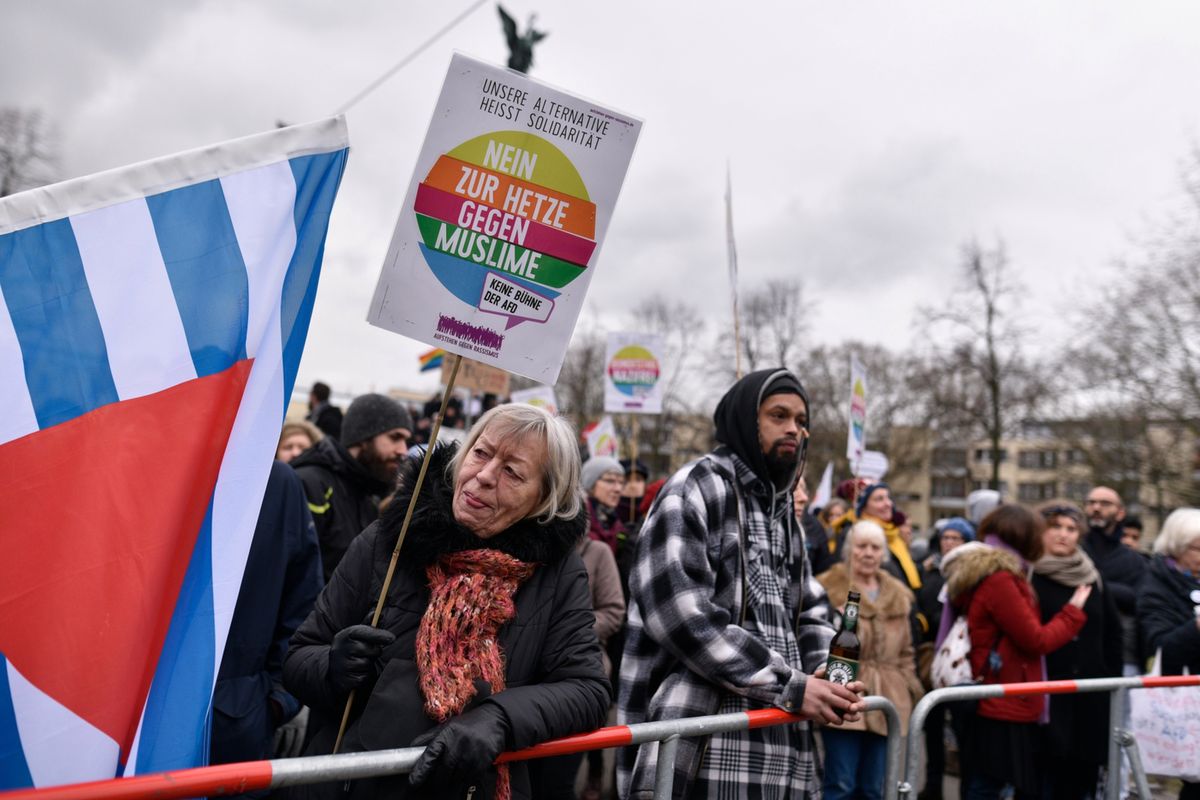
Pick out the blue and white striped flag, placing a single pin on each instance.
(151, 324)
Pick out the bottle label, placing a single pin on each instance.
(850, 618)
(841, 670)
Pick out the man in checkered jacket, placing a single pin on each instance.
(724, 613)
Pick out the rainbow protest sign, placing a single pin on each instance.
(632, 373)
(856, 439)
(498, 238)
(602, 439)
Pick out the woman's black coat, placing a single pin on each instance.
(555, 678)
(1078, 726)
(1167, 603)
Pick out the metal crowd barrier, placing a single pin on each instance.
(1119, 739)
(278, 773)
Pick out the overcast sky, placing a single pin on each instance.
(867, 143)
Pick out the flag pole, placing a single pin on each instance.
(412, 504)
(633, 454)
(731, 248)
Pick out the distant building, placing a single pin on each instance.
(1155, 471)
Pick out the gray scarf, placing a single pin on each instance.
(1073, 570)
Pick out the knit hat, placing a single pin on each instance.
(736, 418)
(866, 495)
(595, 467)
(963, 526)
(980, 503)
(370, 415)
(637, 466)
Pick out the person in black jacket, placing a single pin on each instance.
(327, 417)
(486, 641)
(1077, 734)
(345, 480)
(279, 587)
(1121, 567)
(1169, 602)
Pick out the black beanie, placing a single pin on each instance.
(736, 417)
(370, 415)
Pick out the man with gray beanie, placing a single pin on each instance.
(345, 480)
(724, 614)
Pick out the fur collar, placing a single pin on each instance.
(434, 532)
(894, 599)
(964, 571)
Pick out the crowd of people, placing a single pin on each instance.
(540, 593)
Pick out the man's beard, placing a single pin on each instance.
(381, 469)
(782, 466)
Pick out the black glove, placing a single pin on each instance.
(353, 655)
(461, 751)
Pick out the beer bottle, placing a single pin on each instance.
(842, 665)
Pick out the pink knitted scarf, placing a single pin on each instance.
(471, 596)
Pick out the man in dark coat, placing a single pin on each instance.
(279, 587)
(344, 481)
(1121, 568)
(321, 413)
(724, 612)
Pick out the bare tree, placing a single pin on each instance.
(894, 400)
(682, 329)
(580, 387)
(773, 323)
(978, 378)
(27, 153)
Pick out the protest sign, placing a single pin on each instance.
(541, 396)
(602, 439)
(500, 232)
(857, 435)
(477, 377)
(632, 373)
(873, 465)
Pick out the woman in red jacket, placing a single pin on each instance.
(1008, 644)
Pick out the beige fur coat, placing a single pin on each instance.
(886, 664)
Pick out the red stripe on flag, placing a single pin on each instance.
(100, 516)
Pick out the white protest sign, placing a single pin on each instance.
(856, 438)
(541, 396)
(1166, 722)
(633, 373)
(602, 439)
(873, 465)
(500, 232)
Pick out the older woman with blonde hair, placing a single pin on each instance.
(486, 642)
(1169, 602)
(855, 753)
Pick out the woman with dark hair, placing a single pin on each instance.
(487, 639)
(990, 584)
(1077, 736)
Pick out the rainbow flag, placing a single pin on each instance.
(432, 359)
(152, 320)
